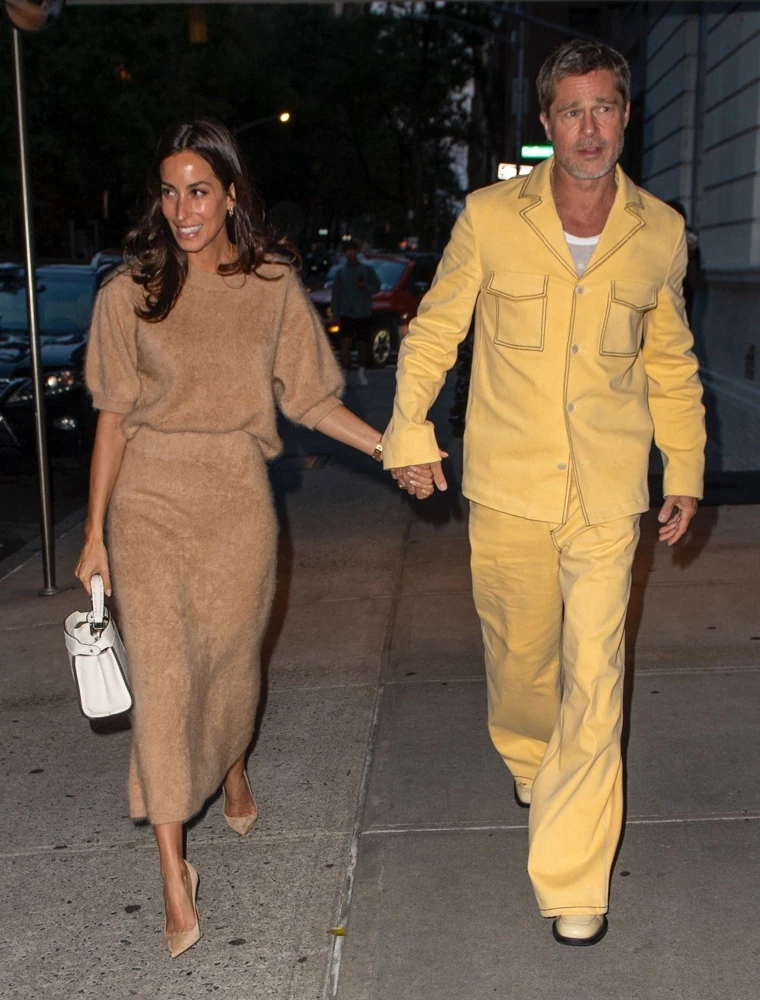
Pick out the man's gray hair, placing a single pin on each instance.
(577, 58)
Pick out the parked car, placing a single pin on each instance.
(65, 296)
(105, 261)
(403, 282)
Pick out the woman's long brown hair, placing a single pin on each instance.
(151, 253)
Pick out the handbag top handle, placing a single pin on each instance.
(98, 601)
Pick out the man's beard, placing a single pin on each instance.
(583, 172)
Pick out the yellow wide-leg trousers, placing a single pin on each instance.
(552, 601)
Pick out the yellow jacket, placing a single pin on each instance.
(568, 371)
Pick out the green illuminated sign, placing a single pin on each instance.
(536, 152)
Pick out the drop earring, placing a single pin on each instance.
(231, 211)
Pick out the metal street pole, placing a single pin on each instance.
(46, 516)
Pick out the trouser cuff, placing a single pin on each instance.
(561, 911)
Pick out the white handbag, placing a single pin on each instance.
(97, 658)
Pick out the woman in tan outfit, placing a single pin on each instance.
(192, 349)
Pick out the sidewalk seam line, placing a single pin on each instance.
(336, 956)
(675, 671)
(131, 845)
(509, 827)
(643, 672)
(44, 850)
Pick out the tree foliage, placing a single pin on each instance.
(376, 97)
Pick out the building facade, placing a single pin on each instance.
(696, 70)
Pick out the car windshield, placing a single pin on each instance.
(64, 301)
(388, 271)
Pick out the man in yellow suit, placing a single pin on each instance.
(582, 354)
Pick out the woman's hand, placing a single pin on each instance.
(419, 480)
(93, 559)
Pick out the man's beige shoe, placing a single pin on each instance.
(580, 929)
(523, 794)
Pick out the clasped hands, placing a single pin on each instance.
(420, 480)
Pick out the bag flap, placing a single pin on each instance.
(515, 285)
(81, 639)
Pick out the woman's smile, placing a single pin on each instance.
(187, 232)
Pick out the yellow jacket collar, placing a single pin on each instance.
(540, 213)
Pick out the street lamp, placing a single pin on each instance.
(283, 116)
(33, 15)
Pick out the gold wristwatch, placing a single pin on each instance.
(377, 454)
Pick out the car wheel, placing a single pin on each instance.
(384, 339)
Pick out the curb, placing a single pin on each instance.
(13, 563)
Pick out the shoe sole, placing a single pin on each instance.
(519, 801)
(580, 942)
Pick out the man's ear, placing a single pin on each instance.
(627, 115)
(545, 122)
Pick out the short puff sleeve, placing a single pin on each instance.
(111, 365)
(306, 377)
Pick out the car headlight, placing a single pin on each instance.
(53, 384)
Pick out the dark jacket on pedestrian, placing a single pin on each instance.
(353, 289)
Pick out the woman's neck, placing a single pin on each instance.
(210, 257)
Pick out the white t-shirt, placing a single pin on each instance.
(581, 249)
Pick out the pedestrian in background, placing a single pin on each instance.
(354, 285)
(581, 351)
(192, 346)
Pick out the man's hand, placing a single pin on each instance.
(419, 480)
(675, 517)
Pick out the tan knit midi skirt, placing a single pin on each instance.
(192, 544)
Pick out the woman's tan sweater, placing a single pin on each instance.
(229, 353)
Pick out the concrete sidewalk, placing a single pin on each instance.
(384, 809)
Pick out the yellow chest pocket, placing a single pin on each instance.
(623, 327)
(515, 309)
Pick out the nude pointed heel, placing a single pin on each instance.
(180, 941)
(241, 824)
